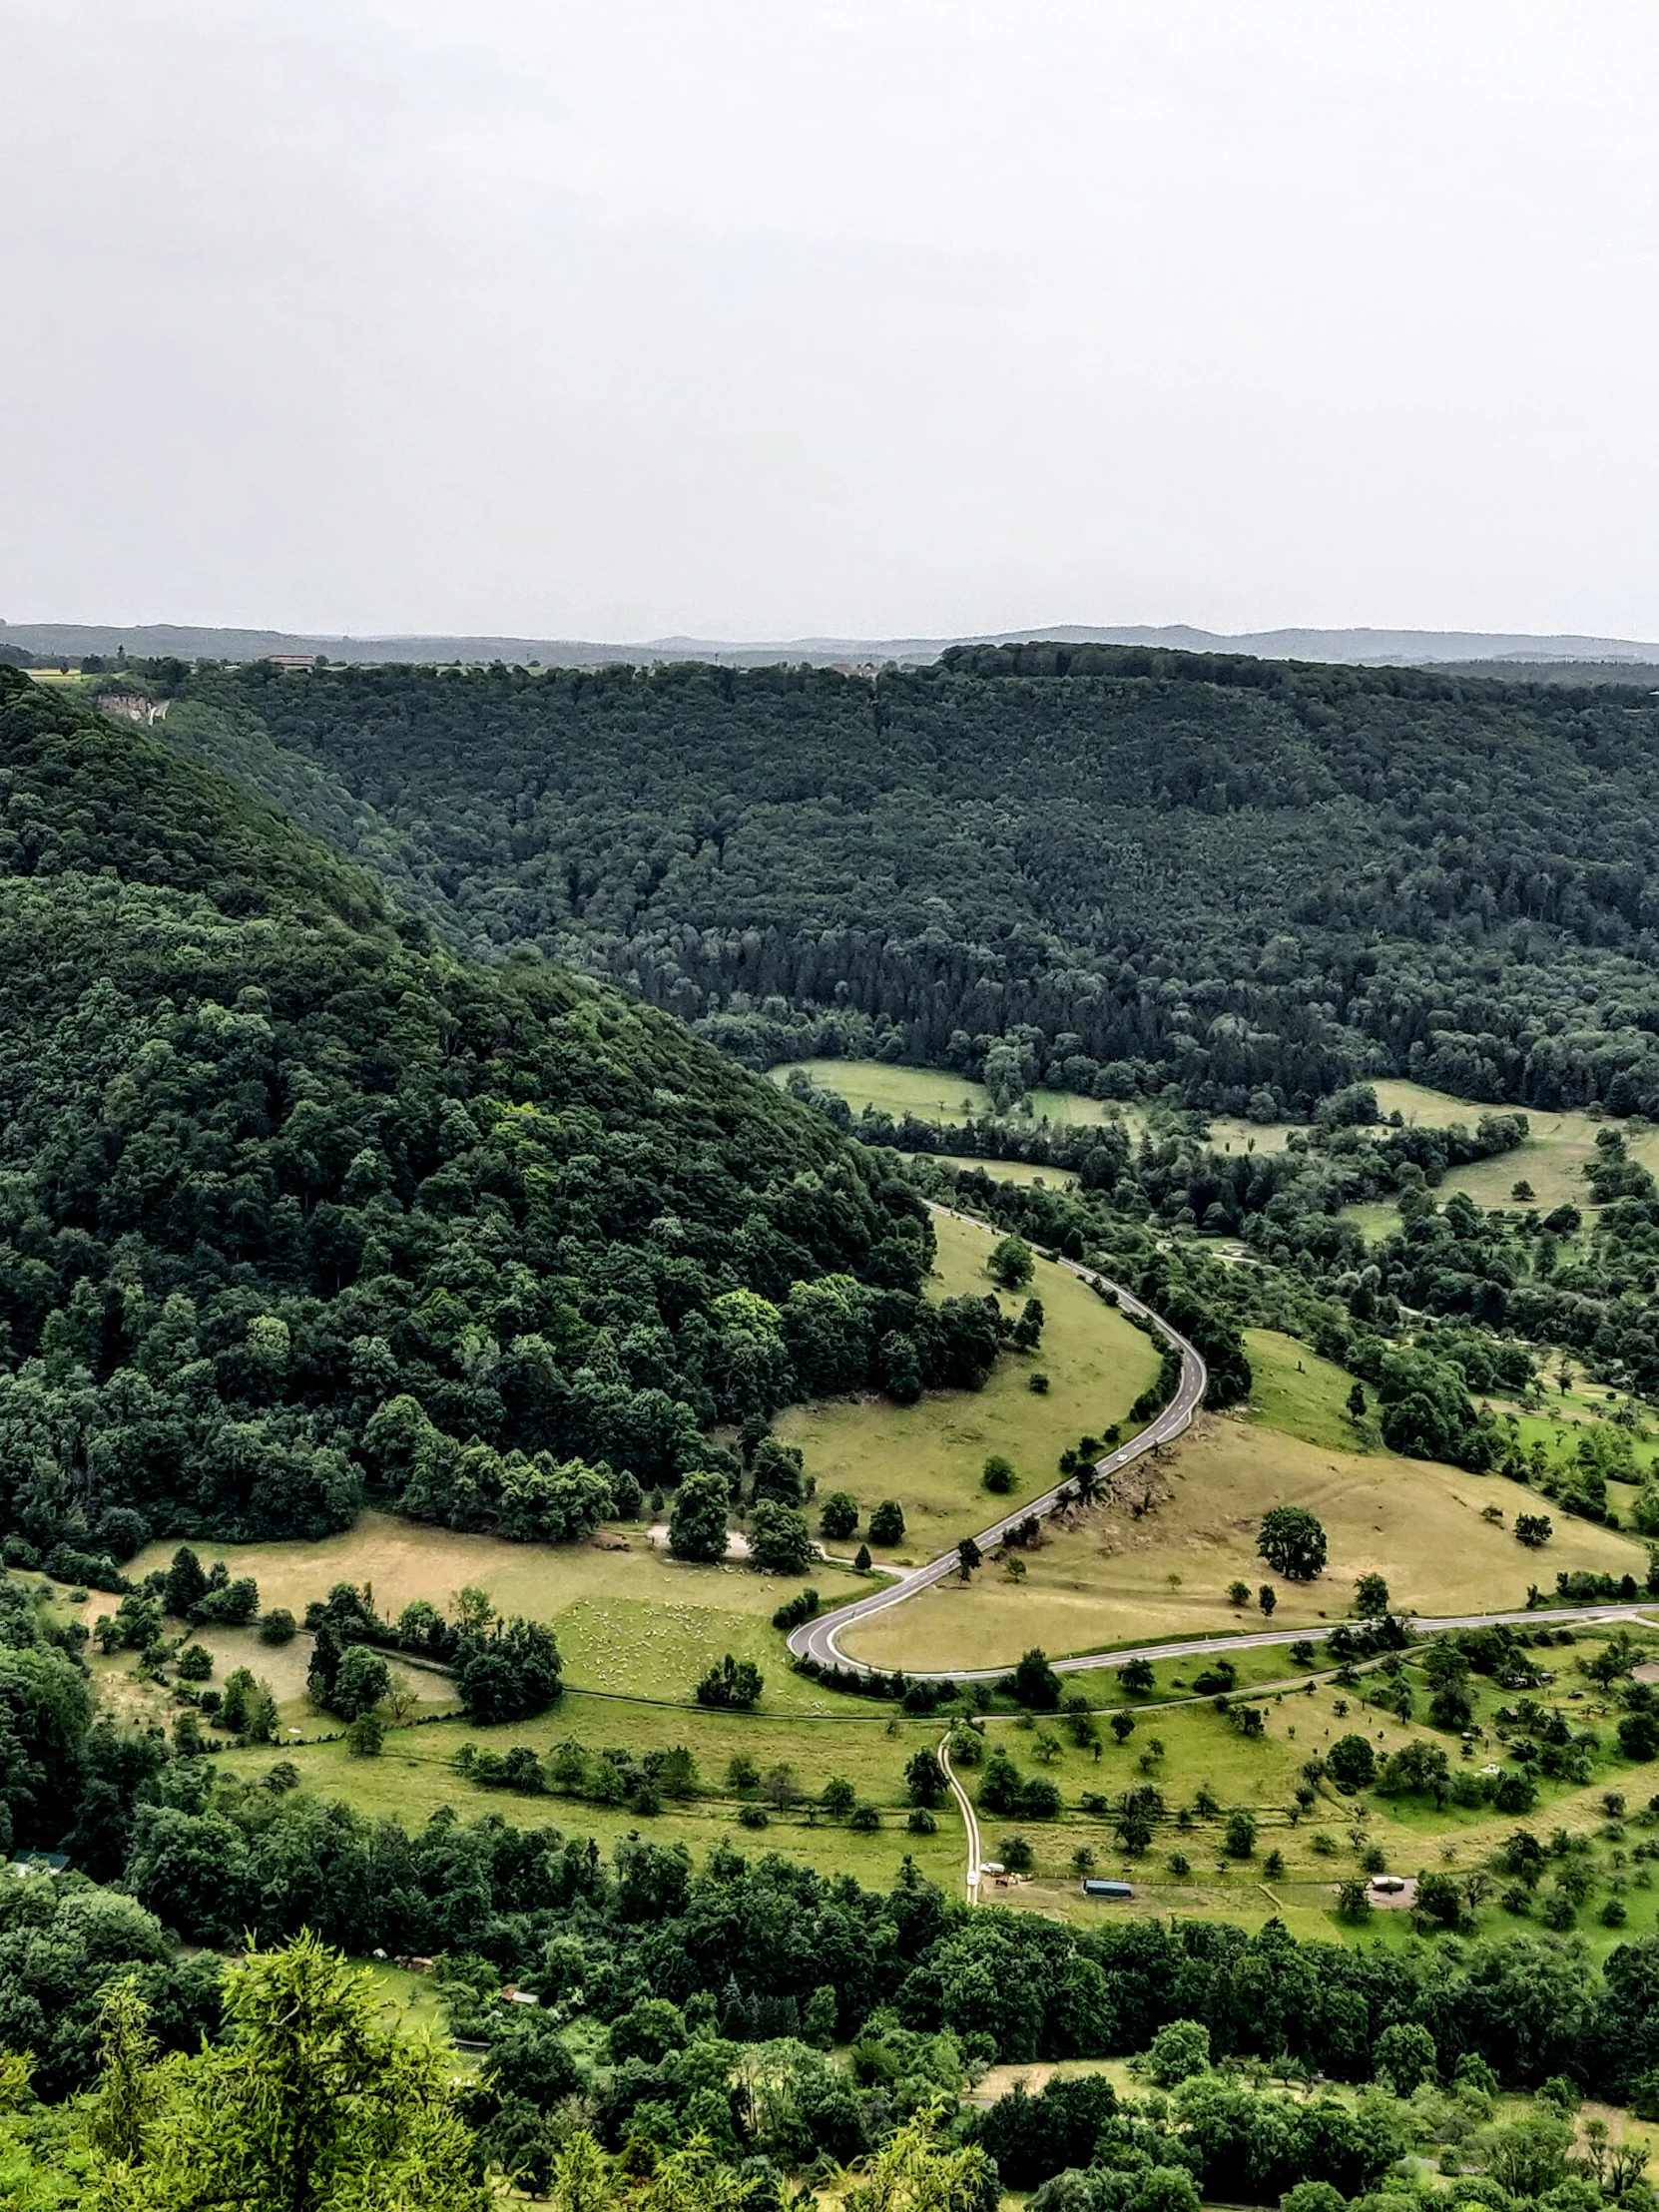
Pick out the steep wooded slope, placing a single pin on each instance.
(1124, 866)
(271, 1157)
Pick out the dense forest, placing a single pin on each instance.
(720, 2098)
(1107, 869)
(291, 1198)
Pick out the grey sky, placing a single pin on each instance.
(756, 318)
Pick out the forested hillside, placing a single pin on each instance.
(274, 1161)
(1105, 868)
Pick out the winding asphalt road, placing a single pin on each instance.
(819, 1639)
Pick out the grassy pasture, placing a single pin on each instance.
(1008, 1171)
(929, 1456)
(1112, 1577)
(626, 1617)
(1229, 1135)
(1199, 1745)
(933, 1094)
(414, 1775)
(1552, 1159)
(1182, 1748)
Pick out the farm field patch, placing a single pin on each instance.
(625, 1616)
(933, 1094)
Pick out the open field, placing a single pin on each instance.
(1228, 1135)
(414, 1775)
(1412, 1836)
(1117, 1574)
(626, 1617)
(929, 1456)
(1007, 1171)
(935, 1095)
(1184, 1751)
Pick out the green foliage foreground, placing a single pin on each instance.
(309, 2103)
(305, 2100)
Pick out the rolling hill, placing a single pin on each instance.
(273, 1159)
(1101, 868)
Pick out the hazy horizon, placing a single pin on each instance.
(773, 321)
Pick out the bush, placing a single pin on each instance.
(626, 1495)
(922, 1822)
(998, 1475)
(797, 1611)
(731, 1685)
(367, 1735)
(278, 1626)
(1313, 2196)
(753, 1816)
(195, 1663)
(1017, 1855)
(865, 1820)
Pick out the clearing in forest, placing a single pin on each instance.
(936, 1095)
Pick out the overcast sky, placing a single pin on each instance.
(763, 317)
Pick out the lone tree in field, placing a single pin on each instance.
(1010, 1264)
(1370, 1596)
(1292, 1542)
(1034, 1683)
(1351, 1764)
(886, 1523)
(778, 1539)
(696, 1525)
(969, 1557)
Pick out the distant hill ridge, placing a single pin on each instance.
(1358, 647)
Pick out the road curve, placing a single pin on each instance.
(970, 1819)
(819, 1639)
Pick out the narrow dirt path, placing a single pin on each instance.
(970, 1819)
